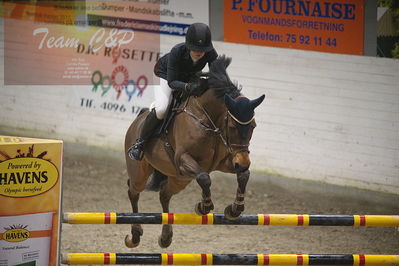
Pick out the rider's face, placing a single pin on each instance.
(196, 55)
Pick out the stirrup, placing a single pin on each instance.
(136, 152)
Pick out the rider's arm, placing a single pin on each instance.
(173, 71)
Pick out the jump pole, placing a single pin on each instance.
(228, 259)
(219, 219)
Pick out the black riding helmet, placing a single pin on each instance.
(198, 38)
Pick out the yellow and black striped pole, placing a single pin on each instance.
(229, 259)
(219, 219)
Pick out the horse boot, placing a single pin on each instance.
(136, 152)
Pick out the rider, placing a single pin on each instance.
(176, 70)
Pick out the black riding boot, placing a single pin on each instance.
(136, 152)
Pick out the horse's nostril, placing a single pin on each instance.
(236, 166)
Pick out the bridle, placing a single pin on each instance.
(233, 148)
(240, 147)
(240, 122)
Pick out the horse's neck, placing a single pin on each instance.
(217, 112)
(214, 107)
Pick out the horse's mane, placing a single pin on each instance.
(219, 81)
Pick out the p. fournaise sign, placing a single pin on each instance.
(321, 25)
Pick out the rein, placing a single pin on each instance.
(214, 129)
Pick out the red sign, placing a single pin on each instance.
(335, 26)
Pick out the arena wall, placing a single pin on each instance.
(327, 117)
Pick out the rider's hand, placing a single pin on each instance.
(193, 88)
(197, 88)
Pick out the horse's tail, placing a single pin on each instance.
(156, 180)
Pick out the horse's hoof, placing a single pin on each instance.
(130, 243)
(164, 243)
(198, 210)
(134, 241)
(228, 213)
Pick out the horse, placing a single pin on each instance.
(209, 132)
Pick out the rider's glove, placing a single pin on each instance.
(192, 88)
(195, 88)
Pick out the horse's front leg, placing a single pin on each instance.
(189, 167)
(234, 210)
(206, 205)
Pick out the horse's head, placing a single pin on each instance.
(240, 123)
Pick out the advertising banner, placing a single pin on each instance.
(335, 26)
(30, 201)
(101, 43)
(177, 15)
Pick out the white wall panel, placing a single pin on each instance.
(327, 117)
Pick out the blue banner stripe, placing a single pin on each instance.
(138, 25)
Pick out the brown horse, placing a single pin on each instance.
(209, 132)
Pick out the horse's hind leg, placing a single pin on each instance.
(168, 189)
(165, 239)
(136, 229)
(138, 175)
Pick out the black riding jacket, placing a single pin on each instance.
(178, 68)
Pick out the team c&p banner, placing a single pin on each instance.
(335, 26)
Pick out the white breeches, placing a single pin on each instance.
(163, 96)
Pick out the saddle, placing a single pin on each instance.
(162, 131)
(177, 99)
(170, 114)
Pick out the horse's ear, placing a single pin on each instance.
(228, 101)
(256, 102)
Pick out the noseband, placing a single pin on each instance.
(214, 129)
